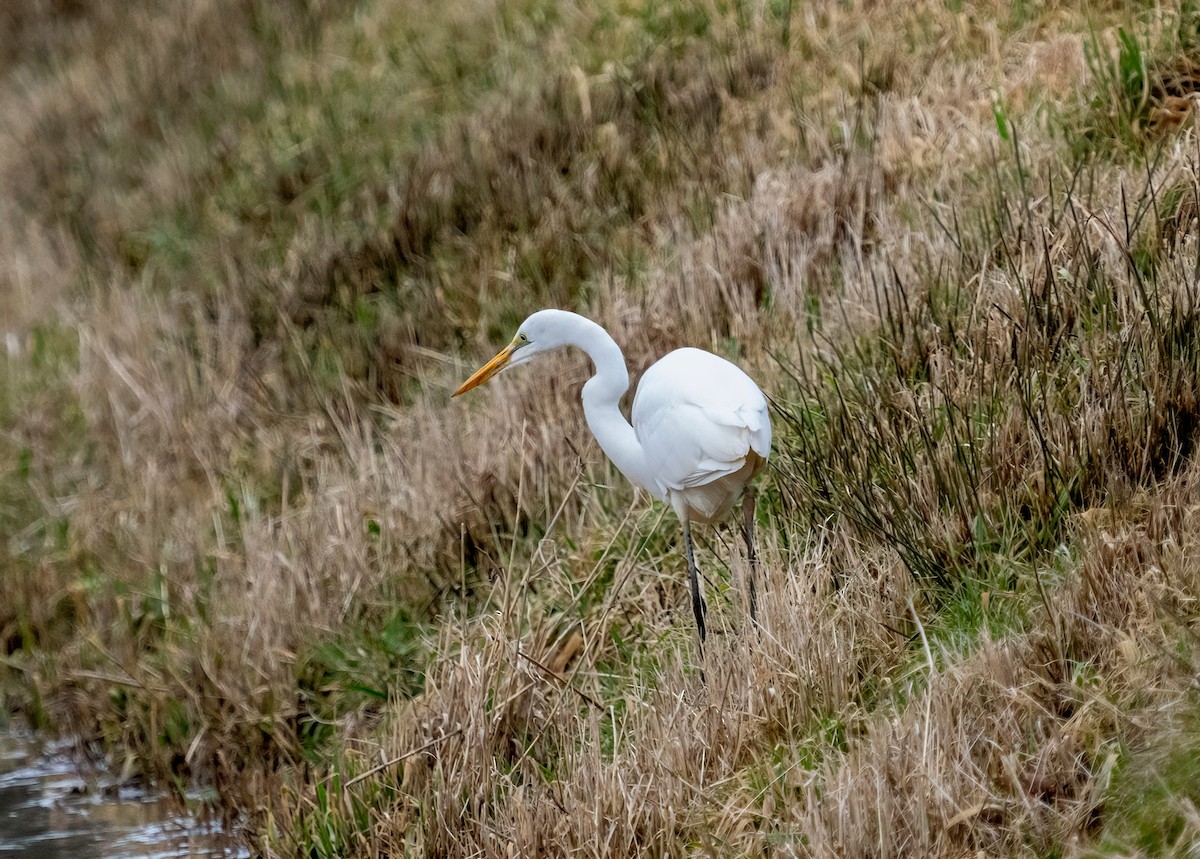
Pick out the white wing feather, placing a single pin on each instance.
(698, 417)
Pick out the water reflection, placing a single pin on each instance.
(48, 811)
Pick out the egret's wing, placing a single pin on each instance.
(697, 417)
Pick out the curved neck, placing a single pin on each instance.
(602, 400)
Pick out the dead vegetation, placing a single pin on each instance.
(247, 253)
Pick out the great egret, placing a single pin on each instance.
(700, 429)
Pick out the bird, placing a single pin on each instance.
(700, 428)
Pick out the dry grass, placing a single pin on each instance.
(248, 252)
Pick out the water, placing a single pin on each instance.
(49, 811)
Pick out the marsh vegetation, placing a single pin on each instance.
(248, 250)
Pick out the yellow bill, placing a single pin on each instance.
(488, 370)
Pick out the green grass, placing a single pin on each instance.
(251, 542)
(1152, 807)
(1134, 71)
(360, 667)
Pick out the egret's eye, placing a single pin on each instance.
(522, 338)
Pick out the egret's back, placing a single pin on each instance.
(705, 429)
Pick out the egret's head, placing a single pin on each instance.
(539, 333)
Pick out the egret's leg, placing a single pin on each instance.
(698, 607)
(748, 535)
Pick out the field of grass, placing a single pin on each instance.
(252, 551)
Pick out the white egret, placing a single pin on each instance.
(700, 427)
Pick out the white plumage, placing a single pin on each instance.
(700, 430)
(705, 424)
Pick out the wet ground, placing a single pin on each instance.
(49, 810)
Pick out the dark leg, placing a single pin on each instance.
(698, 607)
(748, 535)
